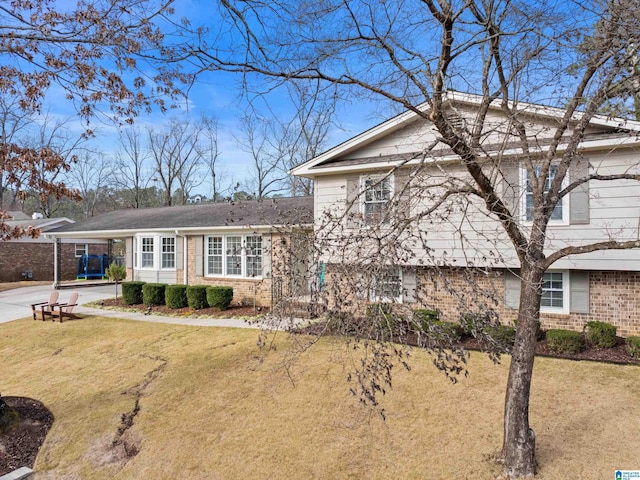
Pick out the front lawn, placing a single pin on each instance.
(210, 408)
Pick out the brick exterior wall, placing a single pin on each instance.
(244, 289)
(614, 297)
(37, 257)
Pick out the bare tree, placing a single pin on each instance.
(90, 176)
(268, 144)
(310, 127)
(176, 158)
(511, 54)
(132, 171)
(209, 152)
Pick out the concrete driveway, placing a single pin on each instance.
(15, 304)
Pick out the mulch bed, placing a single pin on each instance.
(231, 312)
(23, 438)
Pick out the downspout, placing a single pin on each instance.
(185, 277)
(56, 259)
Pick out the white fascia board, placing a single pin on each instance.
(106, 234)
(593, 145)
(305, 169)
(354, 143)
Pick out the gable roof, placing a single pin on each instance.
(244, 214)
(327, 161)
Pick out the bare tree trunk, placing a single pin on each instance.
(518, 450)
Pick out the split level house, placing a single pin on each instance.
(375, 197)
(252, 246)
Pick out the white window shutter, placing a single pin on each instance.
(579, 197)
(409, 285)
(266, 255)
(179, 252)
(199, 255)
(579, 285)
(128, 247)
(353, 202)
(511, 189)
(511, 290)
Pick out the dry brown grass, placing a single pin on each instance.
(211, 409)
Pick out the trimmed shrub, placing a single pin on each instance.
(633, 346)
(219, 297)
(503, 335)
(564, 341)
(153, 293)
(422, 318)
(601, 334)
(197, 296)
(474, 323)
(384, 325)
(132, 292)
(448, 332)
(175, 296)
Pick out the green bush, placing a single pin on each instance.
(132, 292)
(474, 323)
(197, 296)
(422, 318)
(444, 331)
(564, 341)
(153, 293)
(633, 346)
(601, 334)
(219, 297)
(383, 321)
(175, 296)
(503, 335)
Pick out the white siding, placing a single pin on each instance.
(466, 235)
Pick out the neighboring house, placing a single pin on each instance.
(246, 245)
(27, 258)
(391, 169)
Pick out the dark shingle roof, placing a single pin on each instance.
(280, 211)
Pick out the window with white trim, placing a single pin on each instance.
(555, 292)
(558, 214)
(378, 191)
(147, 251)
(214, 256)
(168, 252)
(387, 287)
(81, 249)
(234, 256)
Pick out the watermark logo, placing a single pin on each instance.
(627, 475)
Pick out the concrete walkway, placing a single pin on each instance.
(16, 304)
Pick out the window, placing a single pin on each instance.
(234, 256)
(253, 249)
(214, 256)
(377, 195)
(558, 211)
(168, 252)
(553, 290)
(146, 260)
(387, 287)
(81, 249)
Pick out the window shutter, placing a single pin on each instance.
(199, 255)
(353, 202)
(409, 285)
(579, 285)
(511, 189)
(402, 194)
(579, 197)
(128, 247)
(179, 252)
(266, 255)
(511, 290)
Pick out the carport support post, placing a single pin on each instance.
(57, 247)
